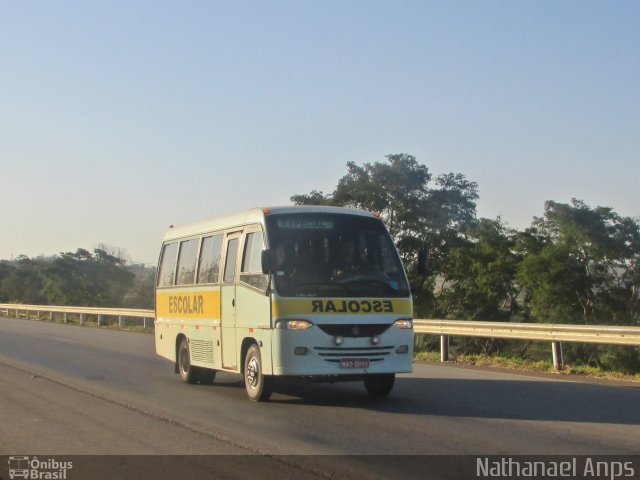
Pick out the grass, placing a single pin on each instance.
(524, 364)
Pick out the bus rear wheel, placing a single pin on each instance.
(380, 384)
(188, 373)
(258, 385)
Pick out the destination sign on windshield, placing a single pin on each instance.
(304, 224)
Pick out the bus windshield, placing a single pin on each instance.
(321, 254)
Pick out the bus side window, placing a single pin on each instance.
(251, 261)
(167, 272)
(187, 262)
(230, 261)
(251, 271)
(210, 259)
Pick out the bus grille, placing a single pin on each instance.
(335, 354)
(354, 330)
(202, 351)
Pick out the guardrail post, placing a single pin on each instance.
(556, 350)
(144, 323)
(66, 319)
(51, 316)
(444, 348)
(99, 320)
(82, 319)
(120, 321)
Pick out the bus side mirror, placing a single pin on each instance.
(267, 261)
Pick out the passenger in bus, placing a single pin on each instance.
(281, 256)
(349, 261)
(306, 268)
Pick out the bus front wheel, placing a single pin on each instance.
(379, 385)
(258, 385)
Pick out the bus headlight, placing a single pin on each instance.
(403, 323)
(293, 324)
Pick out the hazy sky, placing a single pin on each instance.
(120, 118)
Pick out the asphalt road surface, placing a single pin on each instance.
(69, 390)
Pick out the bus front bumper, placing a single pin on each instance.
(314, 353)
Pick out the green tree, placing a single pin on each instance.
(478, 276)
(396, 189)
(21, 281)
(580, 267)
(142, 293)
(423, 216)
(85, 279)
(6, 269)
(315, 197)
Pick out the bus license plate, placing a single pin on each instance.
(354, 363)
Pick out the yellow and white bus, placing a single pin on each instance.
(314, 292)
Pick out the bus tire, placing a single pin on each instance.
(258, 385)
(188, 373)
(380, 384)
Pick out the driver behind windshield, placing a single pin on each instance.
(349, 260)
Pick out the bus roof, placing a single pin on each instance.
(253, 215)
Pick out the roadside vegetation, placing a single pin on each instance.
(102, 278)
(538, 360)
(574, 264)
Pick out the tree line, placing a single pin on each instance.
(574, 264)
(80, 278)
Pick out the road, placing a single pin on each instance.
(75, 390)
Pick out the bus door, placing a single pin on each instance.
(228, 302)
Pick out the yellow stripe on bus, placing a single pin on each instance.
(349, 306)
(189, 304)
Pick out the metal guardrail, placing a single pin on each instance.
(554, 333)
(99, 314)
(613, 335)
